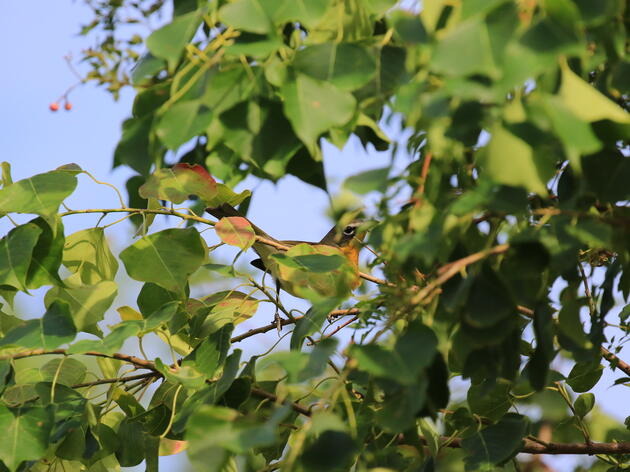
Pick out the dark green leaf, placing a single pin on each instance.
(584, 376)
(495, 444)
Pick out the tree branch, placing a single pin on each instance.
(167, 212)
(274, 398)
(117, 380)
(533, 447)
(449, 270)
(139, 363)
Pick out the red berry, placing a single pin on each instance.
(54, 106)
(68, 106)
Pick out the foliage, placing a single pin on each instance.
(509, 262)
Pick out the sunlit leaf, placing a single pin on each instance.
(236, 231)
(166, 258)
(87, 253)
(26, 431)
(41, 194)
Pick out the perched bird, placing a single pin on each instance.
(346, 240)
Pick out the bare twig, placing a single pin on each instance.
(449, 270)
(533, 447)
(337, 329)
(274, 398)
(139, 363)
(117, 380)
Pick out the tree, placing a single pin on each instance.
(508, 259)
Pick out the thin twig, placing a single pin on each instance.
(336, 330)
(168, 212)
(449, 270)
(533, 447)
(274, 398)
(139, 363)
(117, 380)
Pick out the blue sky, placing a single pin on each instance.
(35, 38)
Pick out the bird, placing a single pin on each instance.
(346, 240)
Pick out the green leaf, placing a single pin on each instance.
(226, 307)
(236, 231)
(145, 69)
(374, 180)
(88, 303)
(47, 255)
(489, 300)
(210, 355)
(470, 36)
(49, 332)
(110, 343)
(586, 102)
(584, 404)
(26, 432)
(64, 370)
(413, 352)
(41, 194)
(490, 399)
(495, 444)
(16, 251)
(131, 438)
(293, 271)
(314, 107)
(319, 262)
(87, 253)
(302, 366)
(344, 65)
(408, 26)
(187, 376)
(577, 135)
(584, 376)
(213, 428)
(166, 258)
(183, 121)
(179, 183)
(402, 406)
(248, 15)
(169, 41)
(512, 161)
(312, 321)
(332, 450)
(134, 147)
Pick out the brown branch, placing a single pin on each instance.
(448, 271)
(533, 447)
(263, 329)
(424, 173)
(139, 363)
(117, 380)
(273, 325)
(274, 398)
(615, 361)
(336, 330)
(339, 313)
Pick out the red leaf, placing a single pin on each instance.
(236, 231)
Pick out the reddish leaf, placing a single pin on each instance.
(236, 231)
(178, 183)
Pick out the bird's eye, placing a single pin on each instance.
(349, 230)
